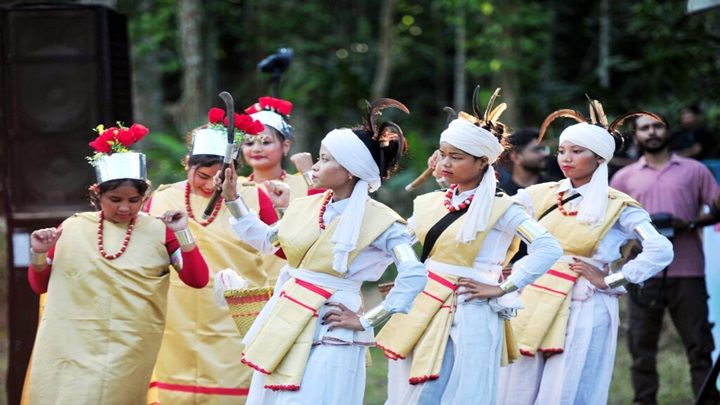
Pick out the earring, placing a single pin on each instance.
(349, 176)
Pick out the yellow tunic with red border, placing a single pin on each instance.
(199, 361)
(541, 326)
(281, 345)
(298, 188)
(104, 319)
(424, 331)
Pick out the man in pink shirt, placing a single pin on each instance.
(665, 183)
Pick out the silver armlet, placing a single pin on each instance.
(529, 230)
(508, 286)
(38, 258)
(377, 315)
(404, 253)
(645, 230)
(615, 280)
(307, 176)
(274, 239)
(184, 237)
(237, 208)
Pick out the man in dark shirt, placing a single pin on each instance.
(528, 159)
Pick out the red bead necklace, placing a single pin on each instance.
(462, 205)
(251, 177)
(322, 209)
(189, 209)
(560, 206)
(125, 241)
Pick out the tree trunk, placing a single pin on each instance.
(604, 45)
(193, 100)
(385, 42)
(146, 82)
(460, 75)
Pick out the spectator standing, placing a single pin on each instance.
(664, 182)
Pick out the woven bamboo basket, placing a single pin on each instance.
(246, 304)
(385, 289)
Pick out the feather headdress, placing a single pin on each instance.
(597, 117)
(489, 119)
(386, 131)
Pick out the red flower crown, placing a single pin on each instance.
(244, 124)
(116, 139)
(275, 105)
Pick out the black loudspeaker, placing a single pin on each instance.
(64, 69)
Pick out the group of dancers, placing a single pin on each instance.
(130, 315)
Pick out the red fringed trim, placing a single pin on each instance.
(420, 380)
(526, 353)
(552, 351)
(392, 353)
(283, 387)
(255, 366)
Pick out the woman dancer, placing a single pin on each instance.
(106, 274)
(309, 343)
(193, 365)
(452, 341)
(568, 329)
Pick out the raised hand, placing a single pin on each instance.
(43, 239)
(303, 161)
(278, 192)
(229, 185)
(175, 220)
(433, 164)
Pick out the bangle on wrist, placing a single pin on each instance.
(237, 208)
(38, 258)
(184, 237)
(508, 286)
(692, 226)
(307, 176)
(376, 315)
(280, 212)
(615, 280)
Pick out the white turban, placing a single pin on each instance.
(597, 139)
(352, 154)
(477, 142)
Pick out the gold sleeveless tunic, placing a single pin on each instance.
(199, 361)
(103, 323)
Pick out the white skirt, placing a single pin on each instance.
(579, 375)
(469, 373)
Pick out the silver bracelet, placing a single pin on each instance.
(377, 315)
(404, 253)
(616, 280)
(237, 208)
(307, 176)
(38, 258)
(508, 286)
(184, 237)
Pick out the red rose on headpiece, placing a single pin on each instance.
(249, 126)
(139, 131)
(276, 105)
(100, 145)
(125, 137)
(215, 115)
(237, 118)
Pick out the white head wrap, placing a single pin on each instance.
(597, 139)
(478, 142)
(352, 154)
